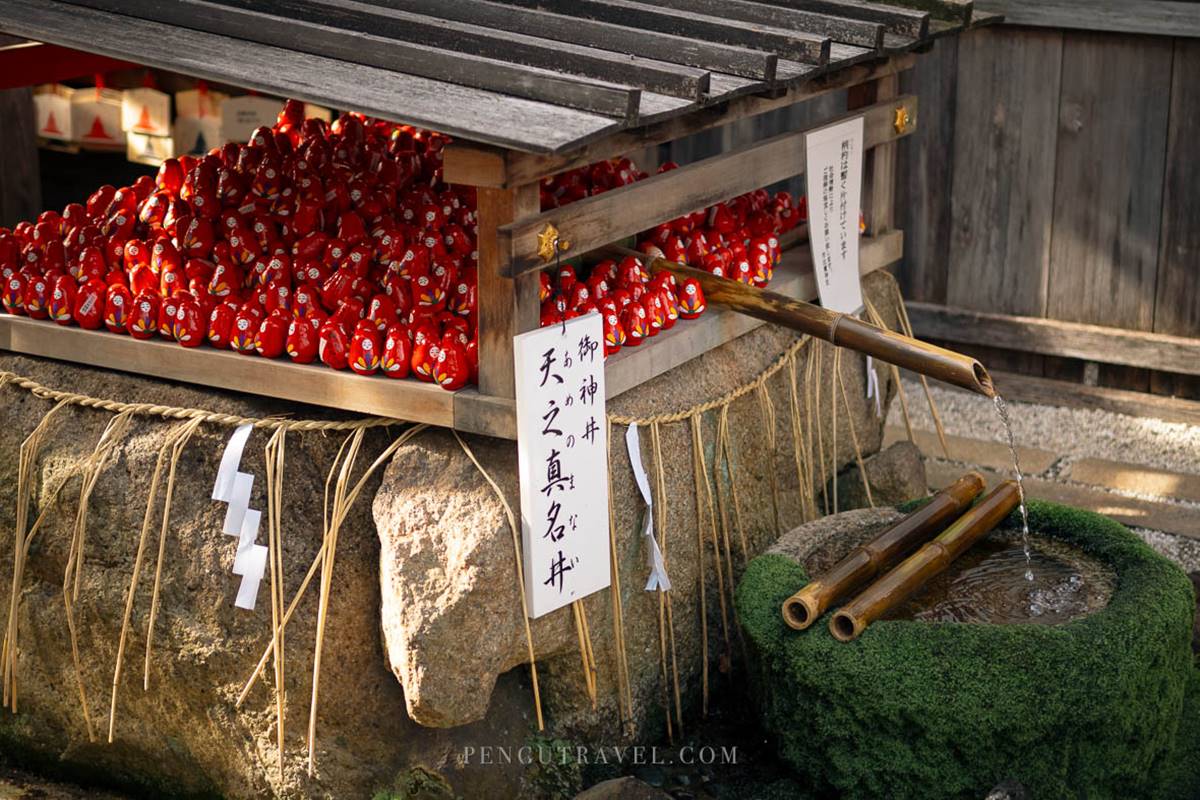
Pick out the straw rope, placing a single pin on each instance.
(183, 413)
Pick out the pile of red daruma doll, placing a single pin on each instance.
(340, 243)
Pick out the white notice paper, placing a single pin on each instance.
(834, 175)
(562, 460)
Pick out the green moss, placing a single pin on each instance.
(924, 710)
(418, 783)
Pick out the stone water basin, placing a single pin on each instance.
(1072, 684)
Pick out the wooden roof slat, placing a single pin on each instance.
(797, 45)
(650, 75)
(460, 111)
(467, 69)
(715, 56)
(897, 19)
(959, 11)
(846, 29)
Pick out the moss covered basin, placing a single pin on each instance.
(1089, 708)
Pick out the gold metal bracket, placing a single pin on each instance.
(550, 244)
(902, 121)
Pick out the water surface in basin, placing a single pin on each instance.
(989, 584)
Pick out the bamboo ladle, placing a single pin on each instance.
(881, 553)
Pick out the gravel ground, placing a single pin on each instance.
(1071, 432)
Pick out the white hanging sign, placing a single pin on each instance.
(241, 116)
(562, 461)
(834, 175)
(53, 110)
(147, 111)
(96, 118)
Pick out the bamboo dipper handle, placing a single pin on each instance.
(916, 570)
(840, 329)
(868, 560)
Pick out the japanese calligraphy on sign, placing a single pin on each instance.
(834, 177)
(562, 460)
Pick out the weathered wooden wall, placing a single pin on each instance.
(1053, 174)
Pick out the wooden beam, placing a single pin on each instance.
(1156, 17)
(806, 47)
(407, 399)
(656, 76)
(742, 61)
(879, 169)
(456, 110)
(31, 63)
(1051, 337)
(633, 366)
(1075, 395)
(605, 218)
(895, 19)
(507, 306)
(844, 28)
(526, 167)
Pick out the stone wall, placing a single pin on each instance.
(429, 531)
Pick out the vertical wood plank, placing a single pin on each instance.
(1177, 301)
(1111, 151)
(507, 306)
(1003, 180)
(1003, 176)
(20, 185)
(924, 174)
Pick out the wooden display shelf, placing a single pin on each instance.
(409, 399)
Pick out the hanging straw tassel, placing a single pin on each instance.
(725, 442)
(906, 327)
(624, 692)
(512, 524)
(813, 402)
(800, 434)
(877, 320)
(697, 471)
(319, 560)
(25, 478)
(833, 405)
(586, 656)
(767, 410)
(700, 467)
(275, 458)
(73, 573)
(338, 513)
(168, 496)
(862, 470)
(661, 519)
(173, 444)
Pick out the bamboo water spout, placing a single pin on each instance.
(881, 553)
(840, 329)
(913, 573)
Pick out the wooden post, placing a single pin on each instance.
(20, 186)
(879, 168)
(507, 306)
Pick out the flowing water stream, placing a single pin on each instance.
(1002, 410)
